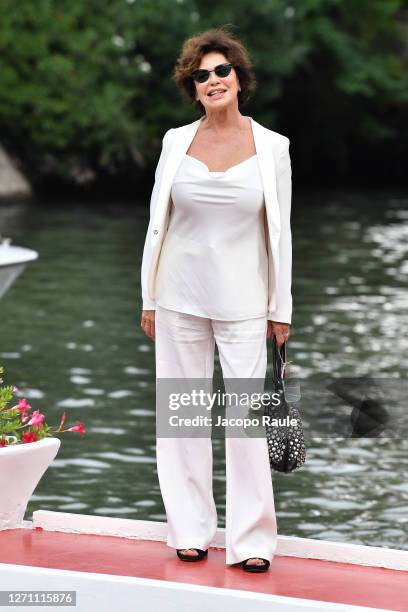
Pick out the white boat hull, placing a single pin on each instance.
(13, 261)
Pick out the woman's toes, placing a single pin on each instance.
(255, 561)
(189, 551)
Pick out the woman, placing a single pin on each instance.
(217, 269)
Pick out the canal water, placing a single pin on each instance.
(70, 339)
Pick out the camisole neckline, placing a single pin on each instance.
(224, 171)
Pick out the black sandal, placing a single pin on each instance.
(256, 568)
(183, 557)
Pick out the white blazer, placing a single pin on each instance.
(272, 150)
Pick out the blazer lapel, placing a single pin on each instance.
(178, 149)
(266, 164)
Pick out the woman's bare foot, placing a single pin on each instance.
(189, 551)
(255, 561)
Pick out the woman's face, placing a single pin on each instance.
(229, 84)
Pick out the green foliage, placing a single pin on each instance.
(77, 80)
(9, 427)
(363, 37)
(6, 392)
(87, 84)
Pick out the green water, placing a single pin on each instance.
(70, 339)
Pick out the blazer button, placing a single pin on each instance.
(155, 231)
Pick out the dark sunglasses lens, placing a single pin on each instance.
(223, 70)
(201, 76)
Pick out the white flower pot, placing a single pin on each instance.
(21, 468)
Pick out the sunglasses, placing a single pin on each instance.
(201, 75)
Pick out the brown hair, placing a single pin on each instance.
(217, 39)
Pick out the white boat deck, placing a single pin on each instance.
(126, 564)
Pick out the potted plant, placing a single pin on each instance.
(28, 445)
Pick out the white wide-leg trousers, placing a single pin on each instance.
(184, 347)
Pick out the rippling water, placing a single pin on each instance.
(71, 340)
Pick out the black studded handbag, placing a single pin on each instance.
(286, 443)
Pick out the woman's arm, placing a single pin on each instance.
(283, 311)
(279, 320)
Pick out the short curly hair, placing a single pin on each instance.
(216, 39)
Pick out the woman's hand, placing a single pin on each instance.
(280, 330)
(147, 323)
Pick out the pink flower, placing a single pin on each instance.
(36, 418)
(15, 389)
(23, 405)
(80, 428)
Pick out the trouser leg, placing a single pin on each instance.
(185, 349)
(251, 526)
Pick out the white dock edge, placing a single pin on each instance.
(305, 548)
(104, 592)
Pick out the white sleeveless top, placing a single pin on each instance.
(214, 261)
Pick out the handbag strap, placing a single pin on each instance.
(278, 359)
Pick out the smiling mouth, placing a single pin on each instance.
(216, 93)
